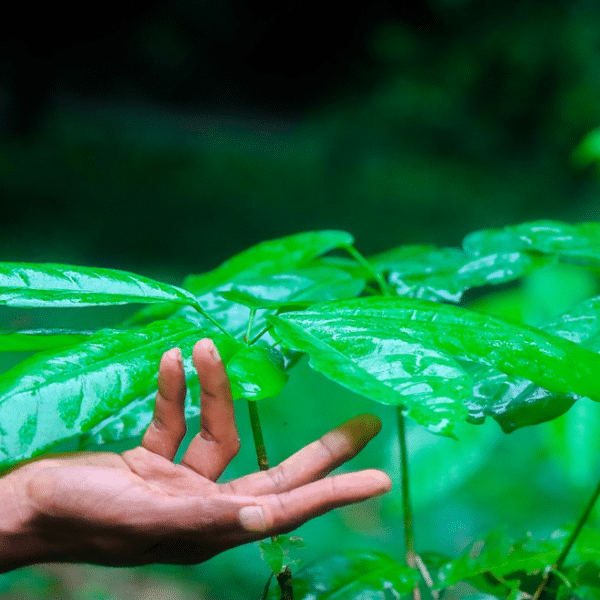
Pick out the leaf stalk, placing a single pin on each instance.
(359, 258)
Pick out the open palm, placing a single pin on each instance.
(139, 507)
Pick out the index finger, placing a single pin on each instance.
(281, 513)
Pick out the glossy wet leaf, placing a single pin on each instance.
(132, 421)
(362, 574)
(355, 326)
(270, 257)
(29, 285)
(577, 243)
(302, 286)
(36, 340)
(56, 396)
(256, 372)
(446, 273)
(366, 354)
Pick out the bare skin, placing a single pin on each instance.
(139, 507)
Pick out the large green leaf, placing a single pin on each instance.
(576, 243)
(56, 396)
(344, 337)
(372, 359)
(362, 574)
(28, 285)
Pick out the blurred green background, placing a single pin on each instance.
(163, 137)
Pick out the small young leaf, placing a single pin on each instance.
(276, 553)
(28, 285)
(256, 372)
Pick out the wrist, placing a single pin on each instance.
(20, 541)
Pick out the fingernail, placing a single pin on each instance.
(176, 353)
(215, 352)
(252, 518)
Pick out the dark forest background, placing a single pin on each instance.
(167, 135)
(162, 137)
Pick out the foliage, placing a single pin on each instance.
(396, 328)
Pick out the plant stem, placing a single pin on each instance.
(359, 258)
(259, 443)
(560, 561)
(284, 579)
(407, 515)
(250, 323)
(259, 335)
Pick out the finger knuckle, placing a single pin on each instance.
(279, 478)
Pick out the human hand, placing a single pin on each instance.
(139, 507)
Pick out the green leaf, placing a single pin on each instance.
(270, 257)
(56, 396)
(352, 575)
(575, 243)
(339, 334)
(446, 273)
(368, 355)
(301, 287)
(132, 421)
(276, 553)
(256, 372)
(35, 340)
(28, 285)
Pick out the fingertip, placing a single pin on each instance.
(174, 354)
(205, 348)
(381, 481)
(371, 423)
